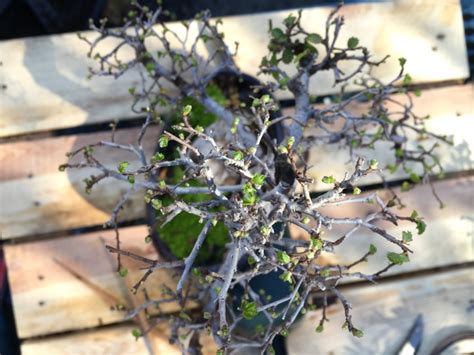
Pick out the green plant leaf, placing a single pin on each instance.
(238, 155)
(123, 166)
(283, 257)
(372, 249)
(277, 33)
(328, 179)
(402, 61)
(319, 328)
(352, 42)
(187, 110)
(249, 310)
(258, 180)
(136, 333)
(397, 259)
(286, 276)
(314, 38)
(287, 56)
(163, 141)
(420, 226)
(123, 271)
(407, 236)
(356, 191)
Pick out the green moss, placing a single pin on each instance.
(181, 233)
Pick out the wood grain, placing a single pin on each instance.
(386, 313)
(47, 298)
(46, 85)
(451, 111)
(448, 238)
(116, 340)
(36, 198)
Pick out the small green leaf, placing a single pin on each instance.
(407, 236)
(417, 92)
(123, 166)
(123, 271)
(199, 129)
(277, 33)
(357, 333)
(156, 203)
(406, 186)
(372, 249)
(407, 79)
(249, 309)
(147, 239)
(420, 226)
(187, 110)
(251, 261)
(206, 315)
(356, 191)
(402, 61)
(415, 178)
(316, 244)
(283, 257)
(289, 21)
(328, 179)
(258, 180)
(266, 99)
(314, 38)
(131, 179)
(397, 259)
(287, 56)
(286, 276)
(352, 42)
(131, 91)
(157, 157)
(163, 141)
(373, 164)
(150, 66)
(414, 214)
(319, 328)
(305, 220)
(238, 155)
(136, 333)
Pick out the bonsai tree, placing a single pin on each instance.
(221, 161)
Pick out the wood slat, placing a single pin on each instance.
(400, 28)
(112, 340)
(35, 277)
(451, 112)
(386, 313)
(46, 76)
(48, 298)
(36, 198)
(450, 228)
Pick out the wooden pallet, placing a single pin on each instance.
(58, 311)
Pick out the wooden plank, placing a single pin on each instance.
(386, 313)
(451, 113)
(448, 229)
(401, 28)
(36, 198)
(47, 298)
(46, 76)
(111, 340)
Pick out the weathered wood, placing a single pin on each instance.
(386, 313)
(36, 198)
(451, 112)
(112, 340)
(400, 28)
(48, 298)
(447, 239)
(46, 76)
